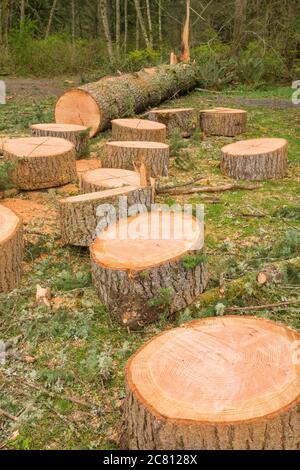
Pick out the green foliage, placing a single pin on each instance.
(177, 143)
(162, 299)
(142, 58)
(5, 181)
(289, 246)
(97, 365)
(250, 70)
(192, 261)
(288, 212)
(216, 73)
(66, 281)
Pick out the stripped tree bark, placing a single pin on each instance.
(185, 49)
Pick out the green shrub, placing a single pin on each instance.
(142, 58)
(216, 73)
(5, 181)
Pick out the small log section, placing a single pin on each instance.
(41, 162)
(109, 178)
(79, 221)
(229, 383)
(127, 155)
(78, 135)
(255, 159)
(184, 119)
(223, 121)
(11, 249)
(95, 105)
(139, 261)
(138, 129)
(84, 165)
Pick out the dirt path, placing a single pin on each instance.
(38, 88)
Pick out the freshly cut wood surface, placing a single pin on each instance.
(41, 162)
(185, 120)
(217, 383)
(223, 121)
(256, 159)
(78, 214)
(11, 249)
(108, 178)
(130, 154)
(138, 129)
(84, 165)
(136, 259)
(95, 105)
(78, 135)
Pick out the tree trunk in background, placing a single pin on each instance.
(54, 5)
(137, 34)
(149, 22)
(118, 26)
(104, 15)
(185, 49)
(73, 20)
(159, 25)
(239, 24)
(125, 24)
(141, 22)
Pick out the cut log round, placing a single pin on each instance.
(255, 159)
(138, 129)
(148, 265)
(41, 162)
(215, 384)
(78, 135)
(127, 155)
(94, 105)
(11, 249)
(81, 221)
(223, 121)
(109, 178)
(186, 120)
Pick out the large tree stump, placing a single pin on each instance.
(144, 266)
(184, 119)
(109, 178)
(255, 159)
(81, 217)
(215, 384)
(138, 129)
(223, 121)
(94, 105)
(127, 155)
(11, 249)
(41, 162)
(78, 135)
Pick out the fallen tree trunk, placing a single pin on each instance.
(95, 105)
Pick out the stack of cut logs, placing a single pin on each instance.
(215, 383)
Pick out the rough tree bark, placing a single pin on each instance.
(78, 135)
(185, 120)
(239, 24)
(255, 159)
(41, 162)
(154, 155)
(11, 249)
(138, 130)
(221, 383)
(223, 121)
(95, 105)
(157, 273)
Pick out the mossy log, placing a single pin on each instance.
(41, 162)
(186, 120)
(80, 219)
(255, 159)
(127, 155)
(223, 121)
(154, 266)
(78, 135)
(95, 105)
(11, 249)
(221, 383)
(138, 129)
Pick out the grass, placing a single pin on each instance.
(77, 350)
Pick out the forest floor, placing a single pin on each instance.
(62, 384)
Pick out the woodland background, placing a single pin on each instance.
(246, 41)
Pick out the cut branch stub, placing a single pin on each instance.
(126, 154)
(109, 178)
(223, 121)
(184, 119)
(81, 217)
(138, 129)
(215, 384)
(149, 265)
(41, 162)
(11, 249)
(255, 159)
(94, 105)
(78, 135)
